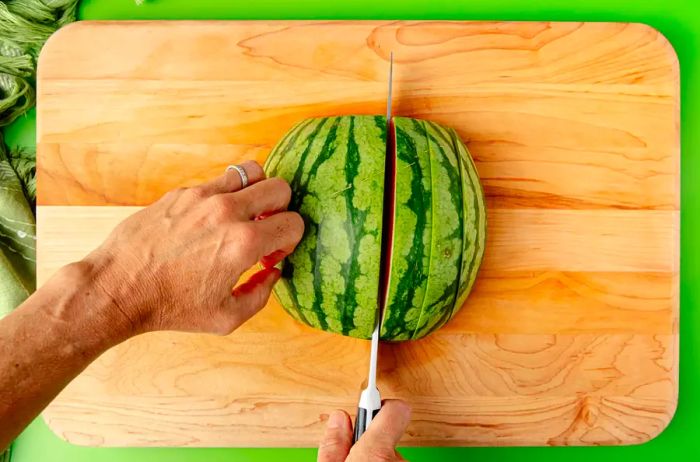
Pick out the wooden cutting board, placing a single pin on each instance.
(571, 334)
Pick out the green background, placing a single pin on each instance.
(678, 20)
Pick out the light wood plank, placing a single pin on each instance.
(563, 388)
(582, 240)
(563, 420)
(166, 421)
(553, 52)
(518, 239)
(514, 175)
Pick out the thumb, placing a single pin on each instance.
(380, 440)
(251, 296)
(337, 440)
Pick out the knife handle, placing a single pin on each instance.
(362, 421)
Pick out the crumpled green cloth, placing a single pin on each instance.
(17, 229)
(24, 27)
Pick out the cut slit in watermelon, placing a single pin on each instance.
(388, 218)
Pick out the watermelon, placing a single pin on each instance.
(397, 222)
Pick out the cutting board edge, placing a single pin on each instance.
(77, 436)
(69, 28)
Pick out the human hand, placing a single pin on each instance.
(173, 265)
(377, 444)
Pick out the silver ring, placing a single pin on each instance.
(241, 172)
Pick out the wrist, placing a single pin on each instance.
(84, 307)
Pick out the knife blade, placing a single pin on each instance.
(370, 399)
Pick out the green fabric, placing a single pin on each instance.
(17, 233)
(16, 93)
(24, 27)
(23, 161)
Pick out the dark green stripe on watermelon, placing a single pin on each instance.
(446, 242)
(288, 140)
(475, 222)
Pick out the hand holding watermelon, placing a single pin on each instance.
(172, 266)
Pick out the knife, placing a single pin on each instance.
(370, 400)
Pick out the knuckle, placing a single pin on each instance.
(221, 207)
(195, 193)
(253, 169)
(174, 193)
(248, 236)
(280, 190)
(283, 187)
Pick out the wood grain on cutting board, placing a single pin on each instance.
(571, 334)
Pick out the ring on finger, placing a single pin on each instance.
(241, 172)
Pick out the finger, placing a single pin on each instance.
(251, 296)
(268, 261)
(279, 232)
(266, 197)
(264, 215)
(385, 431)
(230, 181)
(337, 439)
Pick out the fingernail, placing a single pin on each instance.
(336, 419)
(271, 260)
(403, 407)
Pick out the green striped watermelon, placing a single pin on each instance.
(413, 239)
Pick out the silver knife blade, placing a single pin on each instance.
(375, 334)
